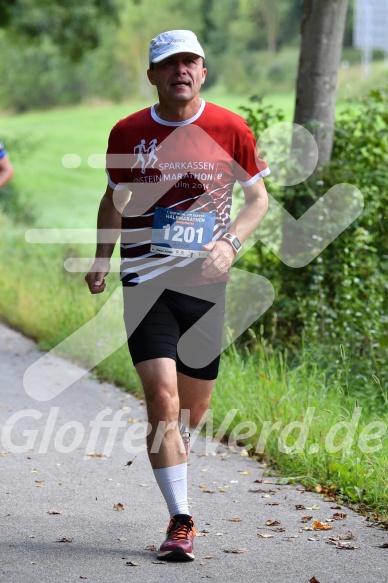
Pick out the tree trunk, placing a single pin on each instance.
(323, 24)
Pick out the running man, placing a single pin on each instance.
(181, 208)
(140, 149)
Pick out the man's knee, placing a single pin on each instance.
(162, 402)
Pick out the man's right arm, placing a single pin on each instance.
(6, 170)
(108, 231)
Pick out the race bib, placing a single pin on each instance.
(181, 233)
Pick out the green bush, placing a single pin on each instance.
(339, 298)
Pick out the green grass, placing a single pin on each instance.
(43, 300)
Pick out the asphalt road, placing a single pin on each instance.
(67, 516)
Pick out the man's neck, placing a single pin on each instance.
(177, 112)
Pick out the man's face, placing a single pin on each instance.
(178, 78)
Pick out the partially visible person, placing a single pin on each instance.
(6, 170)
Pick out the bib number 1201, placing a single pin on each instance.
(182, 234)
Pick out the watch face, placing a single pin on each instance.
(236, 243)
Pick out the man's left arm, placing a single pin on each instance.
(222, 252)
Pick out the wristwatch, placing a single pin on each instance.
(233, 240)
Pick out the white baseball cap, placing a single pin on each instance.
(173, 42)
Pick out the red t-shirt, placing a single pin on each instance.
(191, 165)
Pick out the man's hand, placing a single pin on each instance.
(220, 258)
(95, 277)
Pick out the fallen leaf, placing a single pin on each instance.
(118, 507)
(209, 557)
(234, 519)
(82, 577)
(346, 545)
(306, 518)
(272, 522)
(203, 563)
(244, 453)
(54, 512)
(245, 473)
(300, 507)
(209, 491)
(64, 540)
(38, 481)
(265, 535)
(339, 516)
(159, 562)
(236, 551)
(348, 536)
(266, 496)
(336, 507)
(258, 481)
(383, 546)
(151, 548)
(272, 503)
(233, 481)
(315, 507)
(202, 486)
(132, 564)
(313, 580)
(122, 538)
(313, 539)
(321, 525)
(94, 454)
(130, 462)
(257, 490)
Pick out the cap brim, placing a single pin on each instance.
(173, 52)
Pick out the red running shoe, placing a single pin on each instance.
(179, 542)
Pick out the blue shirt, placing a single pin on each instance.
(2, 150)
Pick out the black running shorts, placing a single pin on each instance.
(184, 325)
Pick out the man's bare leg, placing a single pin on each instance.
(159, 380)
(194, 395)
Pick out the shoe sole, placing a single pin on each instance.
(176, 555)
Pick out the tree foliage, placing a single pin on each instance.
(339, 299)
(73, 26)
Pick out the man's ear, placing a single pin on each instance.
(150, 75)
(204, 76)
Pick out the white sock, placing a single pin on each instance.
(172, 482)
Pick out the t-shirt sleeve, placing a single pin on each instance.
(116, 161)
(249, 168)
(3, 152)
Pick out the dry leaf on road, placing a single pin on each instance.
(132, 564)
(236, 551)
(321, 525)
(54, 512)
(265, 535)
(118, 507)
(339, 516)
